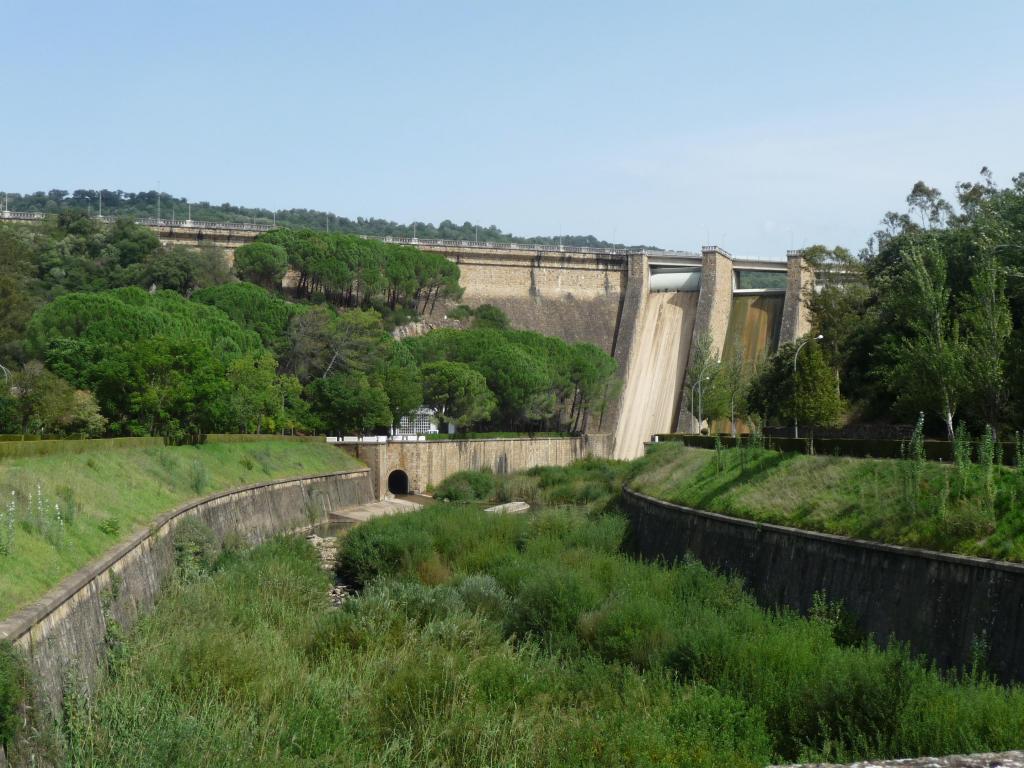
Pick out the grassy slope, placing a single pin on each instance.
(931, 506)
(508, 640)
(119, 490)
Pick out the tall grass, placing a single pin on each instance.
(542, 645)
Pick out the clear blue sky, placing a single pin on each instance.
(755, 125)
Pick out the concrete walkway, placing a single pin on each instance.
(364, 512)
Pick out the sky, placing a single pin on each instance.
(757, 126)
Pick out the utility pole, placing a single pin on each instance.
(796, 428)
(158, 201)
(101, 203)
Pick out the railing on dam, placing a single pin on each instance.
(243, 226)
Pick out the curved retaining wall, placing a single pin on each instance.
(936, 602)
(64, 636)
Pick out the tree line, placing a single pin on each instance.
(349, 270)
(117, 202)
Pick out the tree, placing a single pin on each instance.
(701, 375)
(261, 263)
(349, 403)
(732, 385)
(324, 342)
(490, 316)
(255, 394)
(457, 393)
(816, 392)
(929, 365)
(988, 325)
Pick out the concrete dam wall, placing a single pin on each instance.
(64, 636)
(657, 367)
(941, 605)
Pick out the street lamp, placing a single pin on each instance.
(819, 337)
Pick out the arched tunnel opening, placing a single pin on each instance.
(398, 483)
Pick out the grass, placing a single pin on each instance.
(59, 512)
(967, 508)
(508, 640)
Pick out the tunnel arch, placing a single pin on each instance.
(398, 482)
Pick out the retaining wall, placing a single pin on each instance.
(64, 636)
(937, 603)
(428, 463)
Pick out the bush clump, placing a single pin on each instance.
(12, 691)
(196, 548)
(468, 485)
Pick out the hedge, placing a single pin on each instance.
(21, 449)
(935, 450)
(259, 438)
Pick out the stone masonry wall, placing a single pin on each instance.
(573, 296)
(428, 463)
(63, 636)
(939, 604)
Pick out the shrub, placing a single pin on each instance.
(384, 547)
(198, 477)
(110, 526)
(195, 548)
(550, 601)
(12, 691)
(483, 594)
(629, 628)
(468, 485)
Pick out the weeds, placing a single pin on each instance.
(533, 642)
(198, 477)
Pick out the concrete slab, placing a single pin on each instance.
(364, 512)
(511, 508)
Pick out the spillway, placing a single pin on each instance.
(754, 325)
(661, 348)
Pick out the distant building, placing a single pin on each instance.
(422, 422)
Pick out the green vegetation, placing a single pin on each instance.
(528, 640)
(12, 691)
(144, 204)
(87, 351)
(537, 380)
(967, 508)
(930, 316)
(590, 483)
(59, 512)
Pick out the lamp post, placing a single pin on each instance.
(796, 427)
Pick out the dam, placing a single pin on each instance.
(644, 307)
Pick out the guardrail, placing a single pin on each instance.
(192, 224)
(21, 216)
